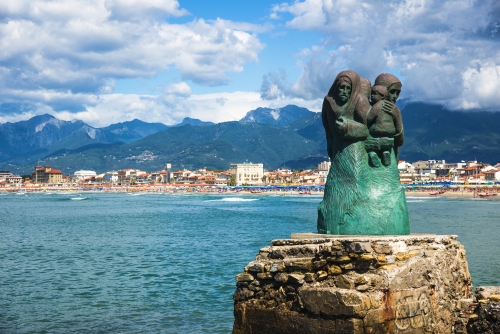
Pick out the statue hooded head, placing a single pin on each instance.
(345, 89)
(392, 83)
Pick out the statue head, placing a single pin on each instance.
(345, 87)
(344, 90)
(366, 87)
(392, 83)
(379, 93)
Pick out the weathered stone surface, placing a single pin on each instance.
(484, 292)
(296, 278)
(242, 294)
(264, 276)
(382, 248)
(358, 284)
(281, 277)
(344, 282)
(309, 277)
(339, 259)
(359, 247)
(255, 267)
(321, 275)
(299, 265)
(244, 277)
(277, 267)
(486, 319)
(495, 298)
(334, 270)
(277, 320)
(333, 302)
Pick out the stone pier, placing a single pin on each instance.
(316, 283)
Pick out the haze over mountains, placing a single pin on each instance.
(290, 136)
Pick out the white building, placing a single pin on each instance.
(323, 169)
(110, 177)
(247, 173)
(83, 174)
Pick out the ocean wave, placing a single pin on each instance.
(421, 197)
(232, 199)
(79, 198)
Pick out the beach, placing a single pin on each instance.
(483, 192)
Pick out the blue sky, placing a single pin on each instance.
(108, 61)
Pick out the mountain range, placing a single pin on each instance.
(291, 136)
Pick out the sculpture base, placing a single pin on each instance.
(315, 283)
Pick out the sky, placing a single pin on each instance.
(110, 61)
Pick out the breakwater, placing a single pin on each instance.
(355, 284)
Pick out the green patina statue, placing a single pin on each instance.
(363, 194)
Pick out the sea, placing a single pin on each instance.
(166, 263)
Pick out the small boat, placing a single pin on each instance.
(439, 192)
(487, 195)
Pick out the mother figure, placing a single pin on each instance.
(359, 199)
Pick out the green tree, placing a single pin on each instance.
(232, 180)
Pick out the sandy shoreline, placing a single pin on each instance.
(466, 193)
(453, 194)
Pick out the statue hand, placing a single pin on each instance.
(341, 126)
(388, 107)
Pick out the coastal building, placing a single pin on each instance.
(6, 177)
(323, 169)
(4, 174)
(46, 175)
(130, 176)
(110, 177)
(419, 165)
(247, 173)
(83, 174)
(492, 175)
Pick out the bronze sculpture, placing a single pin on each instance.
(362, 196)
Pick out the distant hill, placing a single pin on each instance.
(45, 134)
(431, 132)
(131, 131)
(215, 146)
(41, 131)
(278, 116)
(194, 122)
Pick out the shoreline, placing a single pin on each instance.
(465, 192)
(453, 194)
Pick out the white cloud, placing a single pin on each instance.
(431, 44)
(140, 9)
(79, 47)
(481, 86)
(180, 88)
(169, 108)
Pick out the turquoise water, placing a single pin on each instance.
(155, 263)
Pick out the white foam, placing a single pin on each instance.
(233, 199)
(78, 198)
(421, 197)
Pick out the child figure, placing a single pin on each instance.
(385, 126)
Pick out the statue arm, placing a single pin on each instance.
(356, 128)
(398, 125)
(371, 116)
